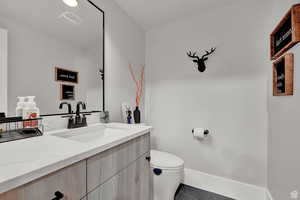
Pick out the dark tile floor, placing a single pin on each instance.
(186, 192)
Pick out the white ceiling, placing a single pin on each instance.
(151, 13)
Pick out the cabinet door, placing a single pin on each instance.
(132, 183)
(135, 183)
(107, 191)
(70, 181)
(104, 166)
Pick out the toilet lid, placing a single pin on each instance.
(165, 160)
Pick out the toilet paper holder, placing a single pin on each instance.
(206, 132)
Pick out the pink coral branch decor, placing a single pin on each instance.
(138, 83)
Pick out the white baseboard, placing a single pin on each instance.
(226, 187)
(268, 195)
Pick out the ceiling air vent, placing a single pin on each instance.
(71, 17)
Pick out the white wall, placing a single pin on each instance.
(284, 137)
(125, 43)
(3, 70)
(229, 98)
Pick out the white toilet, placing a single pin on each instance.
(167, 172)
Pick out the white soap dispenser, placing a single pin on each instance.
(20, 106)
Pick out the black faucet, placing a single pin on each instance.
(80, 121)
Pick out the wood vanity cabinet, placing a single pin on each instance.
(70, 181)
(122, 172)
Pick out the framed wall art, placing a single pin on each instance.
(283, 76)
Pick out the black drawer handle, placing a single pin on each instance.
(148, 158)
(58, 195)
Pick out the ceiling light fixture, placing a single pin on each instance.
(71, 3)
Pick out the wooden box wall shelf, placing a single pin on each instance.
(283, 76)
(286, 33)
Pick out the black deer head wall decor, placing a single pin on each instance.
(201, 61)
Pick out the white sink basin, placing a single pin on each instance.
(92, 133)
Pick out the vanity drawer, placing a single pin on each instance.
(107, 164)
(70, 181)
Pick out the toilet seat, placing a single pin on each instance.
(166, 161)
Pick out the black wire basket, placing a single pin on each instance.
(16, 128)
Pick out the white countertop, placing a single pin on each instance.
(25, 160)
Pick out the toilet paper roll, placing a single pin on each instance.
(200, 133)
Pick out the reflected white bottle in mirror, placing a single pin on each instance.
(20, 106)
(30, 112)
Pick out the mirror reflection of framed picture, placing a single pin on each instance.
(65, 75)
(67, 92)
